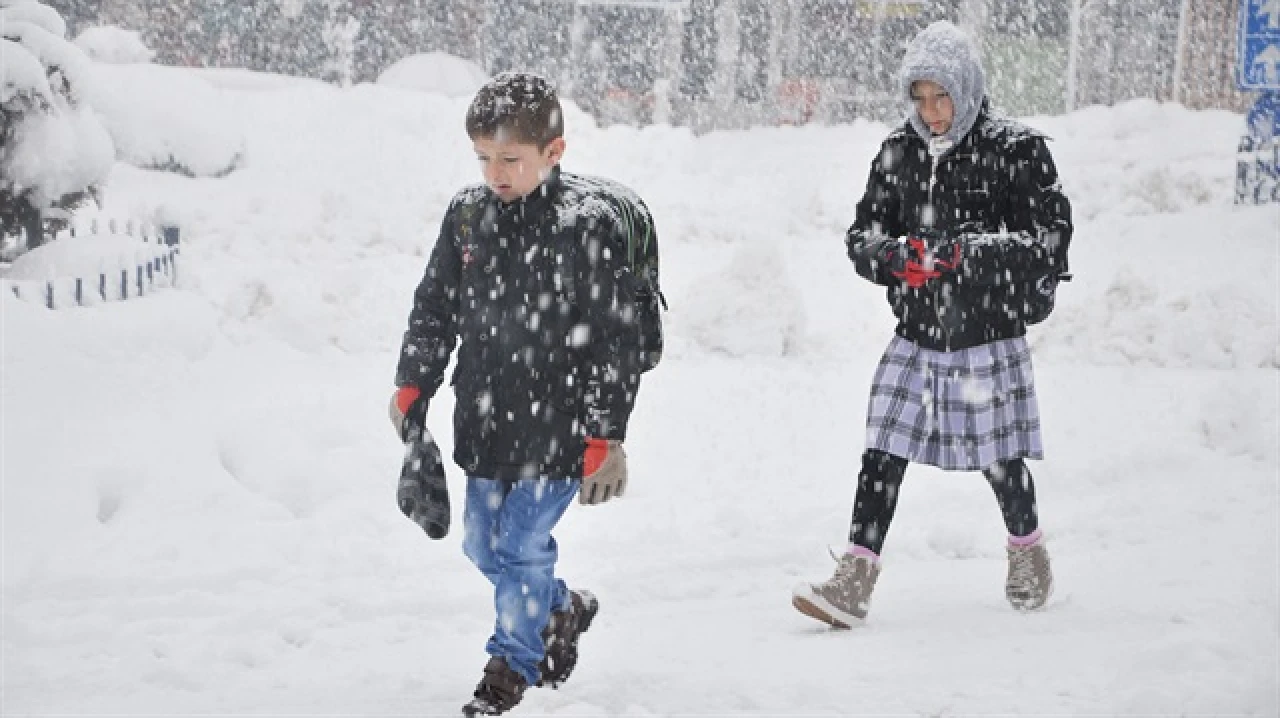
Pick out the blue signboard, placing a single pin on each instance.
(1258, 46)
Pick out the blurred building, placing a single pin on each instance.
(716, 63)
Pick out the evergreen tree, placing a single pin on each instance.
(53, 153)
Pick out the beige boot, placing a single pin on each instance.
(841, 601)
(1030, 580)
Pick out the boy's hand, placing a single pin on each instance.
(604, 471)
(408, 407)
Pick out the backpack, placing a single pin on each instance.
(635, 235)
(1039, 294)
(642, 254)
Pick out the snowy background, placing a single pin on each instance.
(198, 512)
(714, 63)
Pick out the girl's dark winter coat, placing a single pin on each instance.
(541, 365)
(997, 191)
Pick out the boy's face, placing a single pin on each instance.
(514, 169)
(934, 105)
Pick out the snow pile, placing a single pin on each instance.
(114, 45)
(1236, 421)
(1167, 271)
(766, 317)
(435, 72)
(1121, 160)
(168, 119)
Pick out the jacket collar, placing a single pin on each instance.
(533, 203)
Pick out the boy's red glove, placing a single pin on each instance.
(407, 406)
(593, 458)
(604, 471)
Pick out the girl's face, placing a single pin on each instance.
(934, 105)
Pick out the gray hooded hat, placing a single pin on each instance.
(945, 55)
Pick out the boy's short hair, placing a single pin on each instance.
(519, 107)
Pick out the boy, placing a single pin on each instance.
(965, 223)
(531, 271)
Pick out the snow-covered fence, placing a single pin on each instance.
(111, 261)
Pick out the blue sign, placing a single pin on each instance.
(1263, 120)
(1258, 46)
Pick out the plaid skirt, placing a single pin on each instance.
(962, 410)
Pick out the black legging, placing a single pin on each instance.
(881, 478)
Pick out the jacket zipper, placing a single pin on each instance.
(937, 291)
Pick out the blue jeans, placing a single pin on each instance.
(508, 537)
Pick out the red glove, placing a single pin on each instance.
(407, 404)
(920, 263)
(604, 471)
(405, 396)
(947, 247)
(593, 458)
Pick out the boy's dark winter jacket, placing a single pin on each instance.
(541, 364)
(997, 193)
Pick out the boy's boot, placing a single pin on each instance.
(841, 601)
(1030, 580)
(499, 691)
(561, 637)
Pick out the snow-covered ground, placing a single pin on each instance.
(198, 513)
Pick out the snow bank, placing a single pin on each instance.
(165, 118)
(765, 319)
(1135, 160)
(114, 45)
(435, 72)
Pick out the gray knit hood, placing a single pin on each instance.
(945, 55)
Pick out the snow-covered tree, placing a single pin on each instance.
(114, 45)
(339, 35)
(53, 150)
